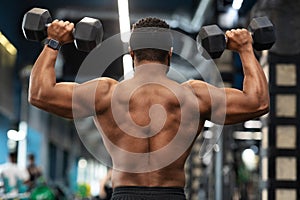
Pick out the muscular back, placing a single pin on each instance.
(148, 129)
(149, 132)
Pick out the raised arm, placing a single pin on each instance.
(241, 105)
(57, 98)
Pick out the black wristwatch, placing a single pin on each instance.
(53, 44)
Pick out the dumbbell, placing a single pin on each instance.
(87, 33)
(213, 39)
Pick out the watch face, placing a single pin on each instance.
(54, 44)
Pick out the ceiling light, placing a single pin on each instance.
(16, 135)
(253, 124)
(127, 66)
(237, 4)
(208, 124)
(247, 135)
(82, 163)
(124, 20)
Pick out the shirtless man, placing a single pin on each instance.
(142, 115)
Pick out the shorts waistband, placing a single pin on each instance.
(144, 190)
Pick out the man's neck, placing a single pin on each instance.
(150, 68)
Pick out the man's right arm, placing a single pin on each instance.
(230, 105)
(66, 99)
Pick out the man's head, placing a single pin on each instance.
(13, 157)
(31, 158)
(152, 54)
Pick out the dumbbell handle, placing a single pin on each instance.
(251, 33)
(226, 38)
(256, 47)
(86, 19)
(84, 39)
(48, 24)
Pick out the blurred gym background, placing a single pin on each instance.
(258, 159)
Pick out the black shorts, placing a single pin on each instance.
(148, 193)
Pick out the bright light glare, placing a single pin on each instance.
(124, 28)
(11, 144)
(248, 157)
(124, 19)
(127, 66)
(123, 8)
(237, 4)
(229, 18)
(7, 45)
(23, 126)
(208, 134)
(253, 124)
(16, 135)
(82, 163)
(208, 124)
(247, 135)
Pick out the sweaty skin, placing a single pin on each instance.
(144, 114)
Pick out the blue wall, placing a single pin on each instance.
(34, 144)
(34, 140)
(4, 126)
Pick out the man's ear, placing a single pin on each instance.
(131, 52)
(171, 52)
(169, 56)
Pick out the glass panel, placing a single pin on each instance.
(286, 137)
(286, 75)
(289, 194)
(284, 163)
(286, 105)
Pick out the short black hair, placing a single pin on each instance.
(150, 54)
(13, 157)
(31, 157)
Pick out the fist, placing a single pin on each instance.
(239, 40)
(62, 31)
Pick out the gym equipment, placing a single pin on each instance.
(42, 192)
(213, 39)
(88, 32)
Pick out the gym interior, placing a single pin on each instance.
(257, 159)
